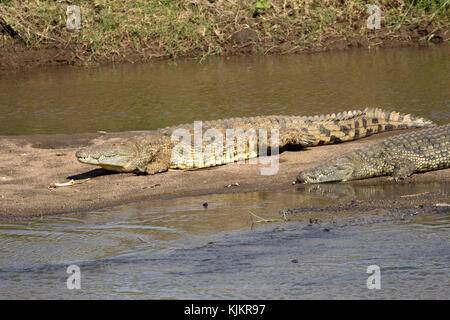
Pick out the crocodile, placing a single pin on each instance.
(399, 156)
(153, 152)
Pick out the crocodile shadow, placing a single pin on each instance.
(93, 174)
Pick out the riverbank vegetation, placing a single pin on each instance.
(34, 31)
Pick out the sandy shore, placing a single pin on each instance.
(30, 164)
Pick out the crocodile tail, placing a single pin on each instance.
(381, 120)
(375, 120)
(352, 125)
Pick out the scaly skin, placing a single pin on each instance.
(154, 153)
(398, 156)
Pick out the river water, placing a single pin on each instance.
(182, 249)
(149, 96)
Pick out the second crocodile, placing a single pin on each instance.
(398, 156)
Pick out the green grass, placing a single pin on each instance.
(426, 4)
(173, 28)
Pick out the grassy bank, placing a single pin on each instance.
(34, 31)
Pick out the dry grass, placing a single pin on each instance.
(147, 29)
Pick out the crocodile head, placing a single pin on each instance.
(338, 169)
(111, 156)
(125, 156)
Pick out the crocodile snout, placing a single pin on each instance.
(301, 177)
(81, 154)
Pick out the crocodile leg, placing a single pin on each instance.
(403, 169)
(160, 163)
(295, 137)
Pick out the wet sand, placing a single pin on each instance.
(30, 164)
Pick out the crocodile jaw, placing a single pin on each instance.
(113, 164)
(114, 157)
(329, 171)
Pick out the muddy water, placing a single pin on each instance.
(183, 249)
(143, 97)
